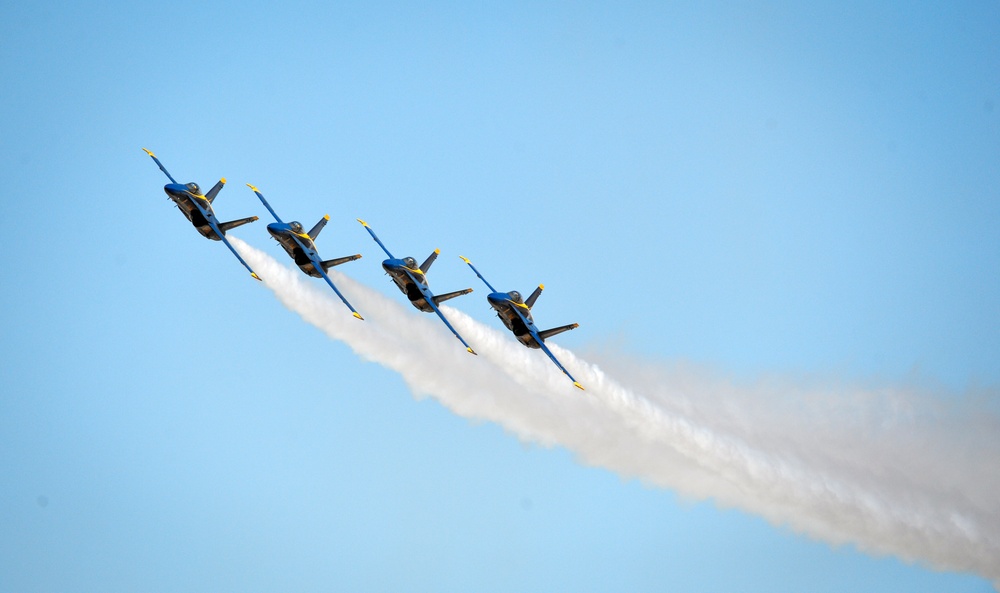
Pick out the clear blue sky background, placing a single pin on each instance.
(755, 187)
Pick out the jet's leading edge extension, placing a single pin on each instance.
(300, 247)
(412, 281)
(197, 208)
(516, 315)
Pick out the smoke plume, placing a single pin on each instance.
(893, 470)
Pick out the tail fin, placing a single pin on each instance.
(340, 260)
(426, 266)
(319, 227)
(232, 224)
(210, 196)
(438, 299)
(557, 330)
(534, 296)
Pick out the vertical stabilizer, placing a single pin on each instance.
(534, 296)
(426, 266)
(210, 196)
(319, 227)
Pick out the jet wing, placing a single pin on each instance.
(160, 165)
(545, 349)
(429, 297)
(266, 205)
(221, 235)
(318, 264)
(548, 352)
(488, 285)
(319, 268)
(374, 236)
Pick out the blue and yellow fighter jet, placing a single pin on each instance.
(301, 248)
(197, 208)
(516, 315)
(412, 281)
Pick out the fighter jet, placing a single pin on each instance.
(197, 208)
(301, 248)
(516, 315)
(412, 281)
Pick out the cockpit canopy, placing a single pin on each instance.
(410, 262)
(296, 226)
(515, 296)
(193, 188)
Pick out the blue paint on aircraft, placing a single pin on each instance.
(515, 313)
(301, 248)
(412, 281)
(197, 208)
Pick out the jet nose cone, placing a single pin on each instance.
(496, 297)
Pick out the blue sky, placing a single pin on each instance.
(758, 189)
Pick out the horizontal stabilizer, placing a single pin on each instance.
(210, 196)
(426, 266)
(534, 296)
(438, 299)
(319, 227)
(340, 260)
(232, 224)
(557, 330)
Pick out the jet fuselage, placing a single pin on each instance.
(297, 244)
(403, 272)
(184, 196)
(506, 304)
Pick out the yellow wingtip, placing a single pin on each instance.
(471, 351)
(542, 286)
(437, 251)
(465, 259)
(223, 180)
(255, 276)
(253, 187)
(326, 217)
(578, 386)
(358, 315)
(363, 223)
(149, 152)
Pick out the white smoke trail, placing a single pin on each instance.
(889, 470)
